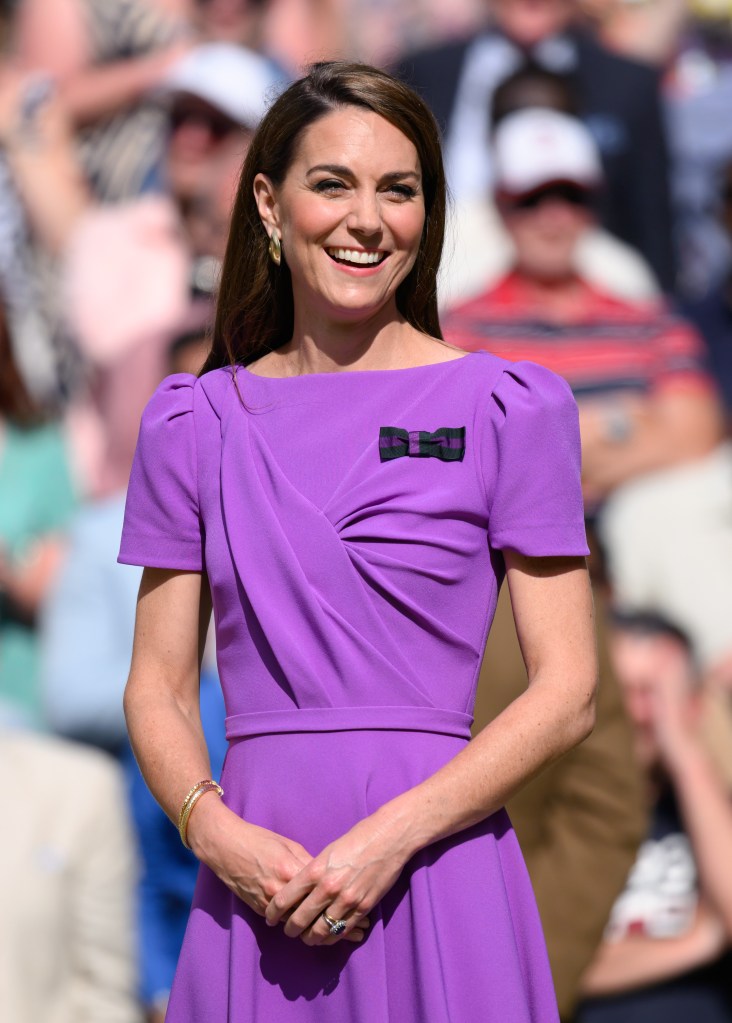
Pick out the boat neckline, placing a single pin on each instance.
(362, 372)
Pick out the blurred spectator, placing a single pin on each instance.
(698, 88)
(712, 312)
(42, 192)
(36, 500)
(666, 954)
(649, 415)
(479, 250)
(106, 58)
(76, 119)
(580, 822)
(619, 101)
(66, 886)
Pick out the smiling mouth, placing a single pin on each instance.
(354, 257)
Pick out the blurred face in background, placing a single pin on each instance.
(231, 21)
(546, 226)
(210, 213)
(198, 134)
(644, 664)
(527, 22)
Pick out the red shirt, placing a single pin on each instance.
(609, 345)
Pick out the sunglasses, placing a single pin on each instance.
(216, 123)
(573, 195)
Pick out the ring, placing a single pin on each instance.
(334, 926)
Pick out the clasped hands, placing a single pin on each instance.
(281, 881)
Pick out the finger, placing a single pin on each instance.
(287, 899)
(319, 931)
(355, 934)
(319, 934)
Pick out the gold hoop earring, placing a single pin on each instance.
(275, 247)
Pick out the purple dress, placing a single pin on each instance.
(353, 547)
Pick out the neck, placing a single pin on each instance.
(556, 299)
(322, 345)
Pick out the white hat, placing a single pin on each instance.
(234, 80)
(536, 147)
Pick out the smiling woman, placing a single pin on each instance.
(349, 493)
(344, 162)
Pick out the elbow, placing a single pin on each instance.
(129, 701)
(585, 714)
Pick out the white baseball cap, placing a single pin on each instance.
(237, 81)
(536, 147)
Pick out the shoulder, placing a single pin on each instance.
(181, 394)
(172, 397)
(531, 388)
(523, 382)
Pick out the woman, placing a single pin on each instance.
(349, 500)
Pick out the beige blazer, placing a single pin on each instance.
(67, 874)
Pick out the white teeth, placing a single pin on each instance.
(358, 258)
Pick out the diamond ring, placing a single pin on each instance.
(334, 926)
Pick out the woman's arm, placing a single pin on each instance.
(53, 37)
(162, 711)
(161, 697)
(636, 961)
(554, 619)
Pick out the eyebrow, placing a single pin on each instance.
(346, 172)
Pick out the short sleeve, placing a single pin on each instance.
(162, 526)
(531, 463)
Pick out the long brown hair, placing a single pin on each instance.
(255, 311)
(16, 404)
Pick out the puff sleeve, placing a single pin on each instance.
(531, 460)
(162, 526)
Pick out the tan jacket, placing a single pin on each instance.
(580, 822)
(67, 877)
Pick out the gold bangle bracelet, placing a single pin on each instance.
(190, 801)
(190, 794)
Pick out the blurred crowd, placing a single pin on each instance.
(588, 145)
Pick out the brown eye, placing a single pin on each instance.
(402, 191)
(329, 186)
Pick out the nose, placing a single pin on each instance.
(364, 217)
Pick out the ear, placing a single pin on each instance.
(265, 196)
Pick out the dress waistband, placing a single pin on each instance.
(350, 719)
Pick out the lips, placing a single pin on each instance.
(356, 257)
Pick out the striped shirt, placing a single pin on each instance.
(609, 345)
(121, 152)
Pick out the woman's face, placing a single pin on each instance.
(350, 214)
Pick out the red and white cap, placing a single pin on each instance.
(536, 147)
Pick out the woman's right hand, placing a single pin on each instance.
(253, 863)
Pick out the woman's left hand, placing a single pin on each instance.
(346, 880)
